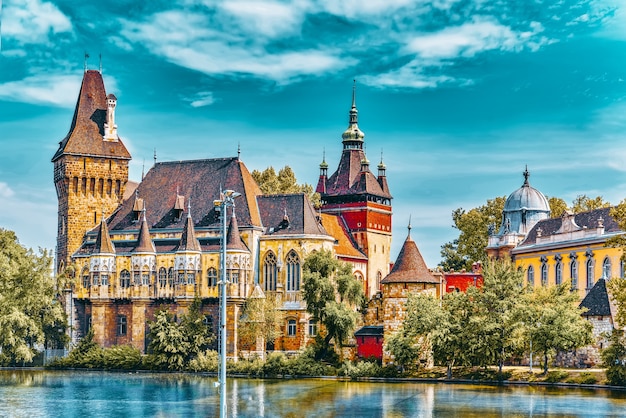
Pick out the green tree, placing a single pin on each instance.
(332, 295)
(473, 226)
(194, 328)
(583, 203)
(284, 182)
(614, 358)
(553, 321)
(261, 317)
(497, 303)
(30, 313)
(404, 347)
(557, 206)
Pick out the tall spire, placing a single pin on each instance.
(233, 239)
(188, 241)
(353, 136)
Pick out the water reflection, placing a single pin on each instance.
(101, 394)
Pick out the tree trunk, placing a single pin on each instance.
(449, 371)
(545, 362)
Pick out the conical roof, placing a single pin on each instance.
(144, 243)
(597, 300)
(104, 245)
(86, 132)
(233, 239)
(410, 266)
(188, 241)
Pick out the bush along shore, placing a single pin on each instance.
(305, 364)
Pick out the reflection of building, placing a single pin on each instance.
(138, 248)
(522, 210)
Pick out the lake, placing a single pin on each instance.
(101, 394)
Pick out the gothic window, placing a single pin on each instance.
(162, 277)
(125, 279)
(211, 277)
(170, 276)
(270, 271)
(145, 276)
(233, 274)
(573, 269)
(606, 268)
(530, 276)
(312, 327)
(590, 273)
(96, 279)
(293, 271)
(121, 325)
(544, 274)
(291, 328)
(180, 279)
(104, 279)
(136, 277)
(191, 277)
(558, 273)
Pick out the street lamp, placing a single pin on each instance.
(227, 198)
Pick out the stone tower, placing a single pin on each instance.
(361, 199)
(90, 167)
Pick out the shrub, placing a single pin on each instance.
(361, 369)
(206, 361)
(614, 359)
(556, 376)
(121, 357)
(275, 365)
(587, 378)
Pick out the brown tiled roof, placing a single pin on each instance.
(144, 242)
(188, 241)
(410, 266)
(344, 244)
(289, 214)
(103, 240)
(349, 179)
(233, 239)
(86, 132)
(588, 220)
(200, 182)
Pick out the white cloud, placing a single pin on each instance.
(58, 90)
(266, 18)
(32, 21)
(201, 99)
(5, 190)
(187, 40)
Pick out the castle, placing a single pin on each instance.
(138, 248)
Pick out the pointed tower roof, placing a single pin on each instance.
(104, 245)
(86, 132)
(233, 239)
(410, 266)
(597, 301)
(144, 242)
(353, 136)
(188, 241)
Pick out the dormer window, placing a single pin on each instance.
(138, 207)
(179, 207)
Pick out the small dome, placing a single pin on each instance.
(526, 198)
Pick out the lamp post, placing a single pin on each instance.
(227, 198)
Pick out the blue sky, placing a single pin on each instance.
(458, 94)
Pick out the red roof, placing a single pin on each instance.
(410, 266)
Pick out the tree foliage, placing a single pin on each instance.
(473, 226)
(284, 182)
(583, 203)
(332, 295)
(30, 312)
(173, 344)
(557, 206)
(261, 317)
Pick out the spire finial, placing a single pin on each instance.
(238, 150)
(409, 227)
(188, 207)
(85, 62)
(526, 175)
(143, 168)
(100, 59)
(324, 154)
(155, 156)
(354, 93)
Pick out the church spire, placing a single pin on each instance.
(188, 241)
(104, 245)
(526, 175)
(353, 136)
(144, 242)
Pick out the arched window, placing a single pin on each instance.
(312, 327)
(145, 275)
(162, 277)
(544, 274)
(170, 276)
(590, 273)
(291, 328)
(606, 268)
(558, 273)
(530, 276)
(573, 271)
(211, 277)
(270, 272)
(293, 271)
(125, 279)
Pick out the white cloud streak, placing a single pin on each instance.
(32, 21)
